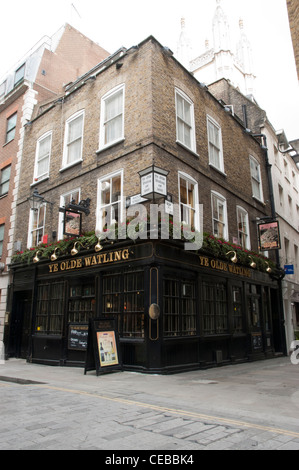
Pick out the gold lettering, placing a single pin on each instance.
(53, 268)
(117, 255)
(87, 261)
(79, 263)
(62, 266)
(213, 263)
(125, 254)
(94, 261)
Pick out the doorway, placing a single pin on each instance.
(20, 326)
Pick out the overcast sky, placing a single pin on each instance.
(120, 23)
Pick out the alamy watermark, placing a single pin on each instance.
(154, 222)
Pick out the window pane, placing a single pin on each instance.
(20, 73)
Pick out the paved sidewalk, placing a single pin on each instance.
(251, 406)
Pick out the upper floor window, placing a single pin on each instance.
(20, 74)
(215, 144)
(112, 117)
(11, 127)
(243, 227)
(73, 146)
(188, 197)
(2, 89)
(185, 127)
(256, 179)
(43, 151)
(4, 183)
(219, 216)
(110, 191)
(36, 226)
(2, 227)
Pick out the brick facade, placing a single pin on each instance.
(150, 77)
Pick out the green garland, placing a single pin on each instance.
(212, 246)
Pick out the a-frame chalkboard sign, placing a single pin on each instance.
(103, 351)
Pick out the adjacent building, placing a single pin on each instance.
(39, 77)
(283, 156)
(185, 286)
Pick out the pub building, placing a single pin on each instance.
(171, 144)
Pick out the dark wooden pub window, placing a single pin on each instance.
(215, 308)
(123, 297)
(81, 303)
(50, 308)
(237, 319)
(179, 307)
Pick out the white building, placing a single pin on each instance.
(220, 59)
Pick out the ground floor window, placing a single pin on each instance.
(123, 297)
(237, 319)
(50, 308)
(215, 308)
(81, 303)
(179, 307)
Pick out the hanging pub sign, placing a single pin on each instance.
(103, 353)
(269, 236)
(72, 223)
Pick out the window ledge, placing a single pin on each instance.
(258, 200)
(187, 148)
(217, 169)
(71, 165)
(39, 181)
(107, 146)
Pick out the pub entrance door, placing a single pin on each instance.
(20, 326)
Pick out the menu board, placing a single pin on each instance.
(103, 352)
(78, 336)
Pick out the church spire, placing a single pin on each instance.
(221, 34)
(244, 58)
(184, 48)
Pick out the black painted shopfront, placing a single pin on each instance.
(210, 311)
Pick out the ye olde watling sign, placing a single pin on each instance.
(89, 261)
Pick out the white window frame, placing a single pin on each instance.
(65, 163)
(30, 228)
(219, 149)
(103, 122)
(5, 182)
(222, 200)
(191, 125)
(100, 207)
(45, 175)
(62, 203)
(189, 179)
(243, 212)
(257, 163)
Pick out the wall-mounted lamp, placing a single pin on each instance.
(252, 264)
(74, 249)
(36, 258)
(98, 246)
(153, 181)
(36, 200)
(268, 270)
(54, 256)
(234, 259)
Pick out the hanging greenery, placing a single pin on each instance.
(211, 246)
